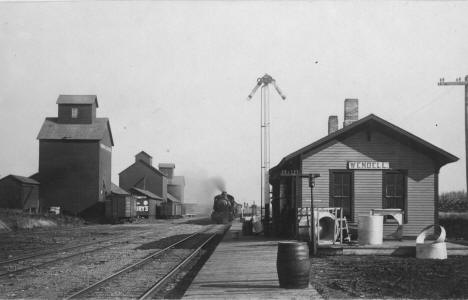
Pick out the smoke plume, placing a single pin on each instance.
(201, 190)
(218, 183)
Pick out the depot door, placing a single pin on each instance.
(341, 192)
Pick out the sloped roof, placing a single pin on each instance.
(52, 130)
(22, 179)
(172, 198)
(115, 189)
(146, 165)
(166, 165)
(439, 155)
(177, 180)
(146, 193)
(77, 99)
(144, 153)
(35, 176)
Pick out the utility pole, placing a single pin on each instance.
(264, 82)
(459, 81)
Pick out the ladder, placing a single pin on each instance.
(342, 229)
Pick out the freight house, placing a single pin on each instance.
(368, 164)
(75, 153)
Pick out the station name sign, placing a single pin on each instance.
(368, 165)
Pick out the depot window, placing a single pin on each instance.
(394, 192)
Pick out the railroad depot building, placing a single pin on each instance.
(368, 164)
(75, 152)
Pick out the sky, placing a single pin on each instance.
(173, 77)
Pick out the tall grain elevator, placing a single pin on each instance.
(75, 153)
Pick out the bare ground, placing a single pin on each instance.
(61, 279)
(390, 277)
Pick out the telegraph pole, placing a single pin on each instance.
(264, 82)
(459, 81)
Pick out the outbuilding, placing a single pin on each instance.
(19, 192)
(368, 164)
(147, 202)
(120, 205)
(172, 208)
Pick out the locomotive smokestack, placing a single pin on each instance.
(351, 111)
(332, 124)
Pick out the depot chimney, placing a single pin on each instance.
(351, 111)
(332, 124)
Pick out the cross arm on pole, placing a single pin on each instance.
(266, 80)
(458, 81)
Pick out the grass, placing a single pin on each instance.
(16, 219)
(455, 224)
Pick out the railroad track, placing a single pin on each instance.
(27, 262)
(57, 238)
(143, 278)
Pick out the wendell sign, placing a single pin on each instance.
(368, 165)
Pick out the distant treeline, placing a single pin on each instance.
(453, 201)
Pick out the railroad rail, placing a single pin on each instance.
(14, 270)
(153, 266)
(47, 248)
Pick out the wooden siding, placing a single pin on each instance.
(176, 191)
(69, 174)
(10, 193)
(368, 184)
(105, 167)
(86, 113)
(14, 194)
(30, 196)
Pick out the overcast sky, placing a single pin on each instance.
(173, 77)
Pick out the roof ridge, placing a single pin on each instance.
(334, 135)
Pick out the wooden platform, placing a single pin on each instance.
(405, 247)
(243, 267)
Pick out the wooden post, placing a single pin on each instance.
(311, 177)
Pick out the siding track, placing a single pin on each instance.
(144, 278)
(27, 262)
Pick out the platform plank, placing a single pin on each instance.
(243, 267)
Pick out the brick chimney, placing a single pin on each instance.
(332, 124)
(351, 111)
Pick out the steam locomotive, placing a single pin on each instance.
(224, 209)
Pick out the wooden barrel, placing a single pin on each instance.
(293, 265)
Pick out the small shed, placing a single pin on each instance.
(146, 202)
(120, 205)
(19, 192)
(172, 208)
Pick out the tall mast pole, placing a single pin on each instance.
(264, 83)
(459, 81)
